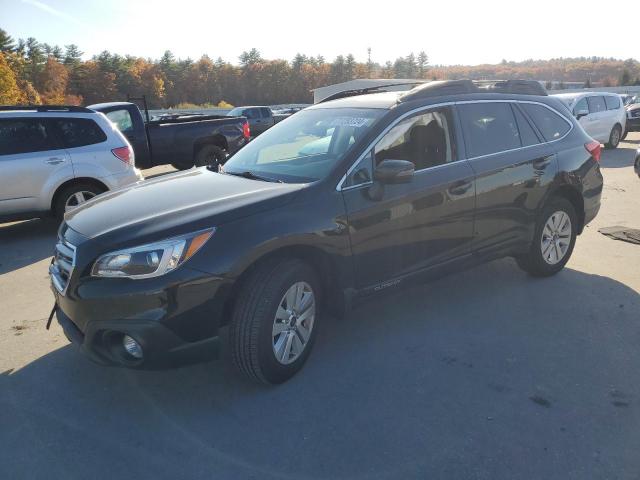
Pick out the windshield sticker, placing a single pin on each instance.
(349, 122)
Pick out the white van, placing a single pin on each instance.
(601, 114)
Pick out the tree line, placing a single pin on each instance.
(38, 73)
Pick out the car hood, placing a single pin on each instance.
(176, 203)
(633, 107)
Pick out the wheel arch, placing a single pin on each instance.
(316, 257)
(218, 140)
(573, 195)
(74, 181)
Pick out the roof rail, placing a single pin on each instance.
(364, 91)
(442, 88)
(46, 108)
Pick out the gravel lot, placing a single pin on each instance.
(487, 374)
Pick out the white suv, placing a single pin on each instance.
(54, 158)
(601, 114)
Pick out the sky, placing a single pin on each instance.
(450, 32)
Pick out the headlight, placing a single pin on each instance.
(151, 260)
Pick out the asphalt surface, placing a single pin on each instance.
(487, 374)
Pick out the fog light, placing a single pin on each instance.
(132, 347)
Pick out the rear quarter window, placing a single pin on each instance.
(613, 103)
(551, 125)
(25, 135)
(79, 132)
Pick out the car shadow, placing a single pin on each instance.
(429, 382)
(621, 157)
(26, 242)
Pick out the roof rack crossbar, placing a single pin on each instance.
(363, 91)
(46, 108)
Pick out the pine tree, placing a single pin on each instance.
(6, 42)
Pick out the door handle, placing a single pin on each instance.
(460, 188)
(54, 160)
(542, 163)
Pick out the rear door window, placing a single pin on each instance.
(596, 104)
(551, 125)
(612, 103)
(25, 135)
(252, 113)
(79, 132)
(266, 113)
(488, 128)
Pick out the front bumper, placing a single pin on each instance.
(175, 320)
(102, 343)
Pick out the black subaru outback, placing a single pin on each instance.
(350, 197)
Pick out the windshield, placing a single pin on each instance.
(306, 146)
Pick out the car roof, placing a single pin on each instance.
(567, 96)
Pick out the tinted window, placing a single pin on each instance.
(266, 113)
(78, 132)
(23, 136)
(489, 128)
(551, 125)
(613, 103)
(425, 140)
(122, 119)
(596, 104)
(581, 106)
(252, 113)
(527, 134)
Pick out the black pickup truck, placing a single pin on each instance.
(180, 140)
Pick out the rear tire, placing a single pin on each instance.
(553, 240)
(74, 195)
(624, 135)
(210, 155)
(614, 137)
(259, 338)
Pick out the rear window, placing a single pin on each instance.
(551, 125)
(25, 135)
(79, 132)
(596, 104)
(122, 119)
(613, 103)
(489, 128)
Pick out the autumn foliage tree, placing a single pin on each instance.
(39, 72)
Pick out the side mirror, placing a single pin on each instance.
(581, 113)
(394, 171)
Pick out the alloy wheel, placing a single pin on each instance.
(78, 198)
(556, 237)
(293, 322)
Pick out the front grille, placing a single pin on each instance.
(64, 260)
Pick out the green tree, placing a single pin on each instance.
(251, 57)
(587, 83)
(625, 78)
(422, 62)
(72, 55)
(6, 42)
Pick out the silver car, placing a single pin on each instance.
(55, 158)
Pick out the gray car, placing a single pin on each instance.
(53, 159)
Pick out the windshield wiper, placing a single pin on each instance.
(252, 176)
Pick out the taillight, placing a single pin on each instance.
(246, 133)
(594, 149)
(124, 153)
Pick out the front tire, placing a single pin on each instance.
(274, 323)
(553, 241)
(614, 137)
